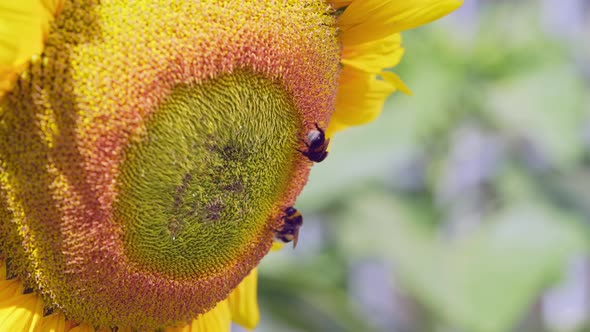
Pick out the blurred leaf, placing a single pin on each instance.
(307, 294)
(547, 108)
(479, 283)
(298, 306)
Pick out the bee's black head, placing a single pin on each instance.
(290, 211)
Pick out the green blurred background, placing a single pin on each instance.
(465, 207)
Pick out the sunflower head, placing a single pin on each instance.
(149, 152)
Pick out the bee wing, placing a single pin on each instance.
(295, 238)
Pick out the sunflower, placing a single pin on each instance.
(150, 150)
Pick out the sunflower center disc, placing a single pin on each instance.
(200, 182)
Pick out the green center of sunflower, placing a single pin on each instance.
(199, 183)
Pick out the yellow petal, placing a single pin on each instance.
(55, 322)
(243, 302)
(23, 27)
(373, 57)
(2, 269)
(217, 319)
(359, 100)
(82, 328)
(396, 81)
(20, 312)
(52, 8)
(10, 288)
(371, 20)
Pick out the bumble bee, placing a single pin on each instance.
(316, 144)
(293, 220)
